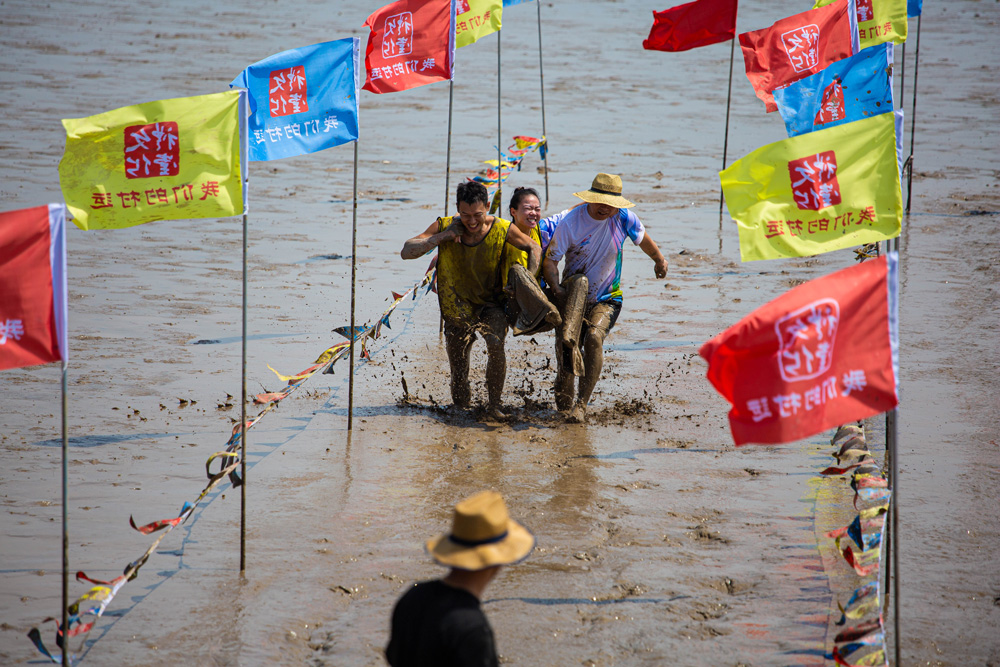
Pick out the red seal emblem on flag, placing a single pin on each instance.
(814, 181)
(398, 37)
(802, 46)
(807, 337)
(831, 107)
(865, 10)
(287, 93)
(152, 150)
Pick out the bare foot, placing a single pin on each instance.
(496, 414)
(578, 415)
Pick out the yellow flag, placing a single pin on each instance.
(817, 192)
(167, 160)
(878, 20)
(475, 19)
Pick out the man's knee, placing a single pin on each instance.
(594, 338)
(493, 328)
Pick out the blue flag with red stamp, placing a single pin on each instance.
(303, 100)
(848, 90)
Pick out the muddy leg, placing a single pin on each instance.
(593, 359)
(573, 309)
(599, 322)
(458, 343)
(535, 313)
(494, 329)
(564, 378)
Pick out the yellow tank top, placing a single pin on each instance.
(514, 256)
(469, 276)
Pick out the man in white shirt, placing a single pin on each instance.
(591, 239)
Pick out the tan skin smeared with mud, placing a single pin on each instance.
(593, 348)
(476, 223)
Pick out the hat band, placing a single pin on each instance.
(476, 543)
(606, 192)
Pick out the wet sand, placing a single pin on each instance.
(658, 541)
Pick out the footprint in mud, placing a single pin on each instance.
(703, 534)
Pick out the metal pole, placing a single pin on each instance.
(447, 168)
(243, 414)
(902, 76)
(725, 141)
(895, 532)
(913, 118)
(65, 523)
(499, 133)
(541, 82)
(354, 271)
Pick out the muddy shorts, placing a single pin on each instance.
(601, 316)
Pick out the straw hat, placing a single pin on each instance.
(482, 535)
(606, 189)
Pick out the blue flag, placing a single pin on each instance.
(848, 90)
(303, 100)
(508, 3)
(913, 7)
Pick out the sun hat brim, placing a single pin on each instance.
(513, 548)
(592, 197)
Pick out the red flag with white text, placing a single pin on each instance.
(412, 43)
(33, 286)
(798, 46)
(821, 355)
(691, 25)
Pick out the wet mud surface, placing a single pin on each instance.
(658, 541)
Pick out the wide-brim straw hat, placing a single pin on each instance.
(482, 535)
(606, 189)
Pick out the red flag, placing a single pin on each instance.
(33, 286)
(691, 25)
(797, 46)
(412, 43)
(821, 355)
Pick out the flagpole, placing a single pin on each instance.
(354, 266)
(902, 76)
(447, 168)
(541, 83)
(243, 414)
(65, 522)
(894, 468)
(913, 117)
(244, 164)
(447, 163)
(725, 141)
(499, 133)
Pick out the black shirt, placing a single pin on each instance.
(436, 624)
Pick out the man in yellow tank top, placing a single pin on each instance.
(470, 287)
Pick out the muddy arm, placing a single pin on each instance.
(522, 241)
(550, 271)
(422, 244)
(649, 247)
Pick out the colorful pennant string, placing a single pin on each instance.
(511, 160)
(96, 600)
(867, 532)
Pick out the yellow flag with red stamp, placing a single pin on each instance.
(879, 21)
(475, 19)
(166, 160)
(817, 192)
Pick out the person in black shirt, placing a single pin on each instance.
(440, 622)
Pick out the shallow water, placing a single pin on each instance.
(642, 518)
